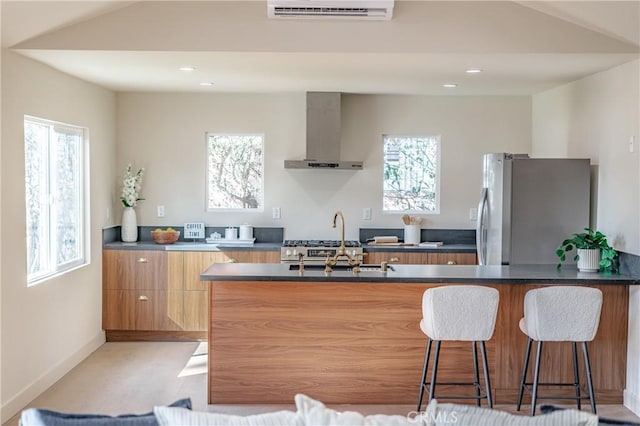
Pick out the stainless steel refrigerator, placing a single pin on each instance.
(528, 206)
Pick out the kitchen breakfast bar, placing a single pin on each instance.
(355, 338)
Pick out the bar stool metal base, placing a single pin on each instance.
(579, 389)
(431, 386)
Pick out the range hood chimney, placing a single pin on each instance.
(323, 135)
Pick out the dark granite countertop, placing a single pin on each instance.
(189, 246)
(201, 246)
(530, 274)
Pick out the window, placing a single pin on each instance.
(235, 170)
(411, 174)
(54, 195)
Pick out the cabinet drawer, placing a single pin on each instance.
(397, 257)
(452, 258)
(134, 270)
(426, 258)
(143, 310)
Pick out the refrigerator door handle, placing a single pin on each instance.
(480, 242)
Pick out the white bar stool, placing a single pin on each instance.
(560, 314)
(461, 313)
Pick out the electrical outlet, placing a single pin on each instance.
(473, 213)
(632, 142)
(160, 211)
(366, 213)
(275, 213)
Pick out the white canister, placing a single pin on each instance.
(246, 232)
(412, 234)
(231, 233)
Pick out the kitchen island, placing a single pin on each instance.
(354, 338)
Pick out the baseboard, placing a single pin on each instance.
(16, 403)
(632, 401)
(155, 336)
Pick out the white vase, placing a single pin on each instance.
(589, 260)
(129, 228)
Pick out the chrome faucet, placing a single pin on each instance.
(342, 250)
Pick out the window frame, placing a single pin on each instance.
(437, 177)
(261, 199)
(54, 268)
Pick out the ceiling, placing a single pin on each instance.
(522, 47)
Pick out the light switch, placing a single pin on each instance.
(160, 211)
(366, 213)
(473, 213)
(276, 213)
(632, 143)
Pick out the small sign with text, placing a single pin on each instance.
(194, 230)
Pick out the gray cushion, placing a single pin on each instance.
(602, 421)
(42, 417)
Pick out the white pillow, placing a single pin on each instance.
(468, 415)
(315, 413)
(168, 416)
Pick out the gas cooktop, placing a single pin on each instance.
(319, 243)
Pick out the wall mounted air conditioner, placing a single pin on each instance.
(330, 9)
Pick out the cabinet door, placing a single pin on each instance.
(175, 271)
(195, 262)
(196, 310)
(142, 310)
(196, 301)
(452, 258)
(134, 269)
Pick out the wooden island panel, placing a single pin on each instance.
(361, 344)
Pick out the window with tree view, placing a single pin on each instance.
(411, 174)
(235, 169)
(54, 189)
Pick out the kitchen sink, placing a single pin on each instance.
(363, 268)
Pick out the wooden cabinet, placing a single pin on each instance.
(158, 295)
(196, 300)
(141, 291)
(421, 258)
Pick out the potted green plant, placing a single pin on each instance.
(593, 252)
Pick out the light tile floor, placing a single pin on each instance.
(132, 377)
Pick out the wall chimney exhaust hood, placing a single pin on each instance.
(323, 135)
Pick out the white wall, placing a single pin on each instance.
(164, 133)
(1, 260)
(595, 117)
(48, 328)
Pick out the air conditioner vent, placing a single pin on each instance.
(319, 9)
(328, 11)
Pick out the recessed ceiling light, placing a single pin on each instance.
(187, 68)
(206, 83)
(473, 71)
(449, 85)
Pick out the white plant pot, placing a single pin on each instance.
(129, 228)
(589, 260)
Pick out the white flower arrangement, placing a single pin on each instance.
(131, 185)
